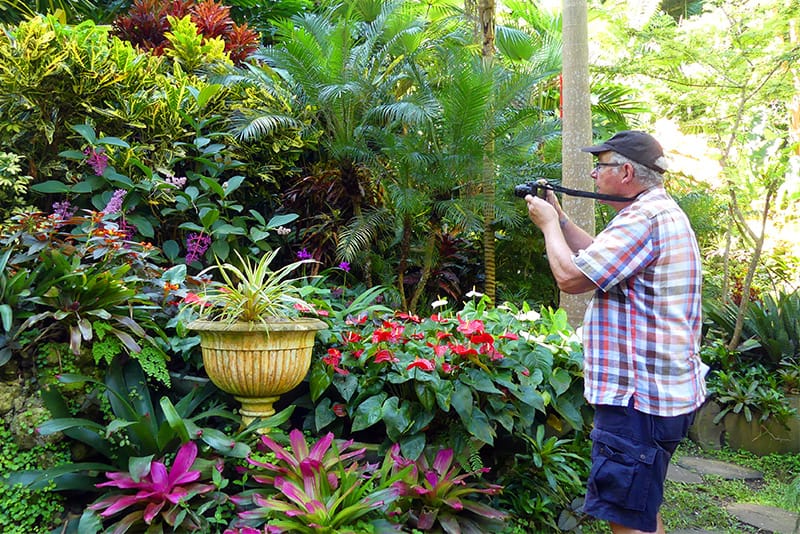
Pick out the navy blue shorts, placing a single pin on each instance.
(631, 451)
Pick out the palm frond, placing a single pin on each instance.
(361, 232)
(247, 129)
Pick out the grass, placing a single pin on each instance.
(702, 506)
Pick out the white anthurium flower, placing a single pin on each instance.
(529, 316)
(439, 303)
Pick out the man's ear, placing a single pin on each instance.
(629, 173)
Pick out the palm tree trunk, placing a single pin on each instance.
(577, 133)
(487, 22)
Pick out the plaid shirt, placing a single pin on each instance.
(642, 330)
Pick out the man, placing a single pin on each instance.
(641, 333)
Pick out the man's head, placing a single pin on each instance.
(635, 145)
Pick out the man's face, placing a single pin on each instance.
(606, 174)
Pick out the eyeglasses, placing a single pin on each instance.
(600, 165)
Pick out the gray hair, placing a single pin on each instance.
(645, 175)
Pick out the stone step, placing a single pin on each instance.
(775, 520)
(725, 470)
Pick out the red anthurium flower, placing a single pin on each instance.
(417, 335)
(408, 317)
(509, 335)
(385, 355)
(351, 337)
(481, 337)
(470, 327)
(438, 350)
(443, 335)
(421, 363)
(439, 318)
(339, 409)
(333, 358)
(353, 321)
(448, 368)
(461, 350)
(357, 354)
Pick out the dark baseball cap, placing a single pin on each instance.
(635, 145)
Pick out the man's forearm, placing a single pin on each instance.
(576, 237)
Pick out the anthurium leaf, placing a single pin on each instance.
(319, 380)
(529, 396)
(425, 395)
(568, 407)
(396, 417)
(346, 385)
(323, 414)
(139, 466)
(368, 412)
(480, 381)
(444, 394)
(478, 425)
(412, 446)
(560, 380)
(461, 400)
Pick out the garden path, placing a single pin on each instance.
(693, 470)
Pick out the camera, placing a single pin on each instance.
(537, 188)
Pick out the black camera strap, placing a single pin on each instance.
(586, 194)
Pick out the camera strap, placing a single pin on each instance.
(586, 194)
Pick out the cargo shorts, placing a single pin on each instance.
(631, 451)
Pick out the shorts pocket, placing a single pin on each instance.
(621, 470)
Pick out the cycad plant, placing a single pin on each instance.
(434, 143)
(342, 62)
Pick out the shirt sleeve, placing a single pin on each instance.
(623, 249)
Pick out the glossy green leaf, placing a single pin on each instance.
(368, 412)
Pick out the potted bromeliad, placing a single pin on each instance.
(256, 343)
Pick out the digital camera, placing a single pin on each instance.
(537, 188)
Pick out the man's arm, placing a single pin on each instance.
(559, 244)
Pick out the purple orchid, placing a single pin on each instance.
(154, 487)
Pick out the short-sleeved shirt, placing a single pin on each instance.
(642, 330)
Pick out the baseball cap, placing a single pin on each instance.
(635, 145)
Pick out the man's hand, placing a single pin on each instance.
(542, 212)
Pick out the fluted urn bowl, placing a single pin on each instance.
(257, 362)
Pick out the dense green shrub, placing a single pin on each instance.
(461, 379)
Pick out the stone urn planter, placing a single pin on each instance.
(255, 362)
(254, 341)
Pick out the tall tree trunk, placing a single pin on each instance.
(577, 133)
(486, 13)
